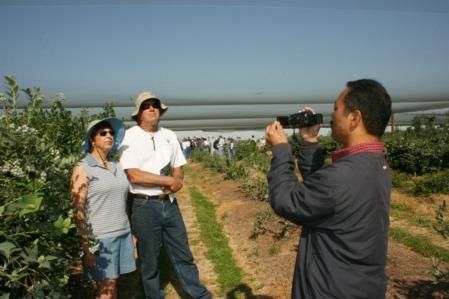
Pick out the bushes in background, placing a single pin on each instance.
(38, 242)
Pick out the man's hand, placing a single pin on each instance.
(309, 134)
(274, 134)
(176, 185)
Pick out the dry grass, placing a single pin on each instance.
(425, 206)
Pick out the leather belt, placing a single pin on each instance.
(162, 196)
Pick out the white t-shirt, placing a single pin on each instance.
(156, 152)
(185, 144)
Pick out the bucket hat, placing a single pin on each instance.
(142, 97)
(116, 125)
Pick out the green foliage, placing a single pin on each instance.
(401, 180)
(398, 210)
(442, 225)
(256, 188)
(432, 184)
(328, 145)
(261, 218)
(245, 149)
(232, 169)
(285, 232)
(252, 156)
(422, 245)
(39, 146)
(436, 272)
(422, 148)
(413, 155)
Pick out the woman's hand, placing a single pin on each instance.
(89, 260)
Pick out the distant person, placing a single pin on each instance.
(186, 147)
(206, 142)
(231, 148)
(153, 160)
(220, 145)
(99, 188)
(213, 145)
(342, 207)
(193, 144)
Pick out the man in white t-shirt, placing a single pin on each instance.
(152, 158)
(186, 147)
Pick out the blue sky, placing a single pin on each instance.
(225, 52)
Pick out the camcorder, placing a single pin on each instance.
(300, 120)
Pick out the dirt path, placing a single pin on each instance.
(205, 267)
(269, 259)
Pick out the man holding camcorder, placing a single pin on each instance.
(343, 206)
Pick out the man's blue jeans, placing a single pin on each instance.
(155, 222)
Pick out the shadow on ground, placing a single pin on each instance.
(244, 291)
(424, 289)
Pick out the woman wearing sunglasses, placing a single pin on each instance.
(99, 189)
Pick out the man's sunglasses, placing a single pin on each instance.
(146, 106)
(105, 132)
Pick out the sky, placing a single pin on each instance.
(233, 56)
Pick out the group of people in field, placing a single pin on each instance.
(214, 145)
(131, 203)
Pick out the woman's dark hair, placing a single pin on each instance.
(96, 129)
(372, 100)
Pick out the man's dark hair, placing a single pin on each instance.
(372, 100)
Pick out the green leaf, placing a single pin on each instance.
(4, 296)
(59, 223)
(7, 248)
(67, 221)
(51, 257)
(43, 262)
(30, 254)
(41, 259)
(11, 80)
(63, 225)
(29, 203)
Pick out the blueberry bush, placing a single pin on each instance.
(38, 240)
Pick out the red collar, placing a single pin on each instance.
(375, 147)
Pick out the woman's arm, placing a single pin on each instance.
(78, 191)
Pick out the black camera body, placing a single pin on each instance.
(300, 120)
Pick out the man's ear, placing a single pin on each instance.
(355, 118)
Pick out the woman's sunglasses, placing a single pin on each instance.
(105, 132)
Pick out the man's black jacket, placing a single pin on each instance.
(343, 209)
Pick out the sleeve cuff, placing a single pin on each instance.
(280, 148)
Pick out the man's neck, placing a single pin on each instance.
(149, 127)
(362, 140)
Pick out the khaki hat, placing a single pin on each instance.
(142, 97)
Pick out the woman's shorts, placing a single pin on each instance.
(115, 257)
